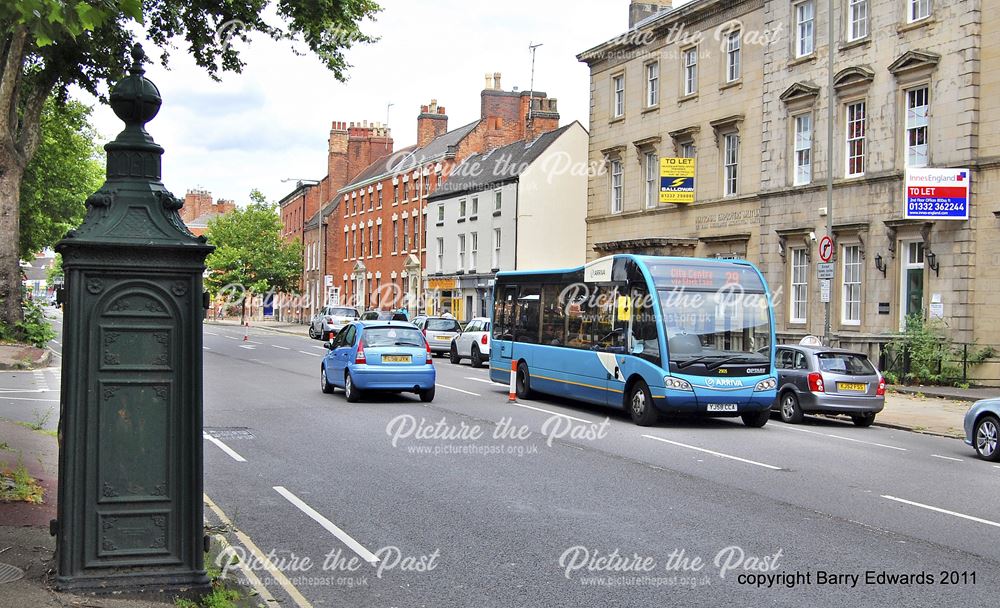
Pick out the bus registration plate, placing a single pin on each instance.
(722, 407)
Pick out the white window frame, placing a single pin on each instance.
(731, 164)
(802, 148)
(798, 295)
(805, 28)
(917, 126)
(461, 209)
(440, 212)
(918, 10)
(461, 252)
(851, 119)
(474, 251)
(440, 254)
(850, 285)
(733, 56)
(616, 177)
(497, 235)
(618, 95)
(380, 240)
(857, 20)
(652, 84)
(688, 150)
(691, 71)
(395, 236)
(475, 206)
(406, 235)
(498, 200)
(651, 164)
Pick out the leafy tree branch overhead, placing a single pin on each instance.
(48, 45)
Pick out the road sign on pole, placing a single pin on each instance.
(826, 249)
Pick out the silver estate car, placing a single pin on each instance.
(821, 380)
(440, 331)
(982, 427)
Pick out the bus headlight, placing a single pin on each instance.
(766, 385)
(676, 383)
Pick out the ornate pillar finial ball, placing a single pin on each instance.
(135, 99)
(138, 58)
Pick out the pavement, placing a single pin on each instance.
(20, 356)
(501, 516)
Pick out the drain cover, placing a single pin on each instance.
(9, 574)
(229, 432)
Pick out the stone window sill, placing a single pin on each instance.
(810, 58)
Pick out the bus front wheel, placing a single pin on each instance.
(757, 419)
(523, 382)
(640, 405)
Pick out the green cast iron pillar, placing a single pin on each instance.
(130, 442)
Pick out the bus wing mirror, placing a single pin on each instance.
(637, 347)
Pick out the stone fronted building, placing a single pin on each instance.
(915, 86)
(685, 82)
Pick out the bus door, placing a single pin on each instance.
(503, 325)
(616, 347)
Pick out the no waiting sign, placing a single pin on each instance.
(826, 249)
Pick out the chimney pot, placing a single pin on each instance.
(489, 82)
(496, 81)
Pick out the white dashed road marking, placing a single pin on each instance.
(719, 454)
(330, 527)
(945, 511)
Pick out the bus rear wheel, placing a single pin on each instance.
(640, 405)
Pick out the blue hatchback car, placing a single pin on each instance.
(982, 428)
(379, 355)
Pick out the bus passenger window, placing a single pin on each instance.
(553, 316)
(527, 315)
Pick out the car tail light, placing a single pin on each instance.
(816, 382)
(881, 387)
(360, 358)
(329, 320)
(485, 337)
(424, 331)
(430, 355)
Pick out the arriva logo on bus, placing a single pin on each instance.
(723, 382)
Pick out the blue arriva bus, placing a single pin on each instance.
(649, 334)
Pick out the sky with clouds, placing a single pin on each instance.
(271, 122)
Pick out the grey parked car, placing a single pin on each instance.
(982, 426)
(821, 380)
(440, 331)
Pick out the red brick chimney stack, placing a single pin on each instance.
(506, 113)
(431, 123)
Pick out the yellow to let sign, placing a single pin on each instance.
(677, 180)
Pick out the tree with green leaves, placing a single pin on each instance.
(250, 257)
(46, 46)
(67, 168)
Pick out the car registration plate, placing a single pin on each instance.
(854, 387)
(396, 358)
(722, 407)
(442, 337)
